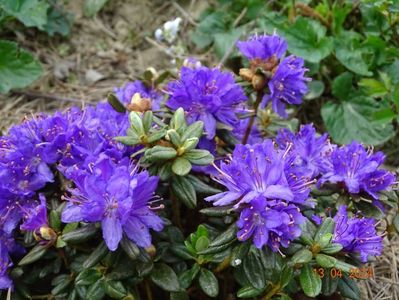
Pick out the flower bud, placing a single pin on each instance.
(139, 104)
(45, 234)
(258, 82)
(246, 74)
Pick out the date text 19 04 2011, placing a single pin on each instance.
(356, 273)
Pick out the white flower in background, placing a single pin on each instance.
(169, 31)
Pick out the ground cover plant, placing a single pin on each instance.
(199, 182)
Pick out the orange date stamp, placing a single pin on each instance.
(354, 273)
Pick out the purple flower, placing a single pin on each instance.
(5, 264)
(274, 223)
(263, 47)
(259, 170)
(357, 235)
(126, 93)
(287, 85)
(117, 196)
(358, 170)
(309, 150)
(35, 216)
(208, 95)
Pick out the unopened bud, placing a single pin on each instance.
(258, 82)
(151, 251)
(246, 74)
(139, 104)
(45, 234)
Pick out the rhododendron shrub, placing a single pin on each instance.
(178, 189)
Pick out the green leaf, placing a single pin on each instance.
(174, 137)
(88, 277)
(33, 255)
(344, 267)
(184, 191)
(128, 140)
(326, 261)
(203, 36)
(301, 257)
(18, 68)
(187, 277)
(92, 7)
(238, 254)
(115, 103)
(181, 166)
(96, 256)
(224, 41)
(58, 21)
(332, 248)
(32, 13)
(208, 283)
(396, 222)
(164, 276)
(199, 157)
(147, 120)
(225, 237)
(178, 121)
(160, 153)
(130, 248)
(308, 231)
(254, 271)
(329, 284)
(202, 243)
(95, 291)
(348, 288)
(202, 187)
(342, 86)
(136, 123)
(217, 211)
(348, 121)
(194, 130)
(316, 89)
(350, 54)
(326, 227)
(310, 281)
(249, 292)
(114, 289)
(373, 87)
(370, 210)
(307, 38)
(80, 235)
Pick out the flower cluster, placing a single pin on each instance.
(71, 142)
(284, 76)
(207, 95)
(358, 170)
(269, 182)
(263, 183)
(116, 195)
(357, 235)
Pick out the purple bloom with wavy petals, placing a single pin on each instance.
(358, 170)
(260, 170)
(309, 150)
(117, 196)
(357, 235)
(269, 222)
(287, 85)
(208, 95)
(263, 47)
(125, 93)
